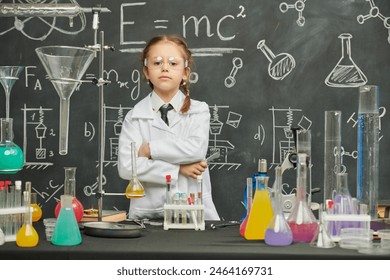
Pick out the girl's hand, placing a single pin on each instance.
(144, 151)
(193, 169)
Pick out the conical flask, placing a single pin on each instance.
(65, 67)
(249, 192)
(8, 76)
(11, 155)
(70, 189)
(27, 236)
(278, 232)
(346, 73)
(261, 212)
(66, 231)
(134, 189)
(302, 222)
(321, 238)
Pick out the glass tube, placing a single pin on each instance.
(304, 147)
(368, 148)
(332, 152)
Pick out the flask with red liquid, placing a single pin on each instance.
(70, 189)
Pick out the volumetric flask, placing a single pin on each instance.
(346, 73)
(368, 148)
(134, 189)
(332, 152)
(27, 236)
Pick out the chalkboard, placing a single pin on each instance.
(262, 66)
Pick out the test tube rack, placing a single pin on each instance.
(7, 213)
(364, 221)
(176, 216)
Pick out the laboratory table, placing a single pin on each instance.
(155, 243)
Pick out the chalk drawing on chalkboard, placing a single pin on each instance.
(33, 124)
(299, 6)
(279, 65)
(346, 73)
(230, 80)
(221, 147)
(374, 12)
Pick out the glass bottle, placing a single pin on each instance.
(248, 206)
(66, 231)
(368, 149)
(70, 189)
(301, 220)
(134, 189)
(261, 212)
(37, 210)
(27, 235)
(278, 232)
(11, 155)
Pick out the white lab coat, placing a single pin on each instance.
(185, 141)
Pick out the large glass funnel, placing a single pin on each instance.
(65, 67)
(8, 77)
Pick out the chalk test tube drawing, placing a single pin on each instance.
(299, 6)
(346, 73)
(280, 65)
(230, 80)
(374, 12)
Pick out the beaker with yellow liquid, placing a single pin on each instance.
(134, 189)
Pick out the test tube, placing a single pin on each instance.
(2, 204)
(183, 201)
(9, 230)
(17, 219)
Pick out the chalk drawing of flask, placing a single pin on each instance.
(346, 73)
(280, 65)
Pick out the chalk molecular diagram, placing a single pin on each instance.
(299, 6)
(374, 12)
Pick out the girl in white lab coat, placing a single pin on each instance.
(177, 147)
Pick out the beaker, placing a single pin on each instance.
(66, 232)
(278, 232)
(37, 210)
(261, 211)
(8, 76)
(11, 155)
(134, 189)
(249, 192)
(301, 220)
(65, 67)
(27, 236)
(332, 152)
(346, 73)
(70, 189)
(368, 148)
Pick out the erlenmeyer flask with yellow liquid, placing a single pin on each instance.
(134, 188)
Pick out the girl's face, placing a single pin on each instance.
(166, 68)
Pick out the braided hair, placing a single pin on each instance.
(184, 85)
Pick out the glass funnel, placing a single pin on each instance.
(11, 155)
(70, 189)
(65, 67)
(8, 77)
(278, 232)
(302, 222)
(134, 189)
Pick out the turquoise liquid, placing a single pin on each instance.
(66, 231)
(11, 159)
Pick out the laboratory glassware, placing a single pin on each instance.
(332, 152)
(66, 231)
(301, 220)
(304, 147)
(8, 77)
(65, 67)
(278, 232)
(346, 73)
(27, 236)
(261, 212)
(322, 239)
(134, 189)
(368, 148)
(249, 194)
(279, 65)
(70, 189)
(11, 155)
(17, 218)
(37, 210)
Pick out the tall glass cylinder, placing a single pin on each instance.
(304, 147)
(332, 152)
(368, 148)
